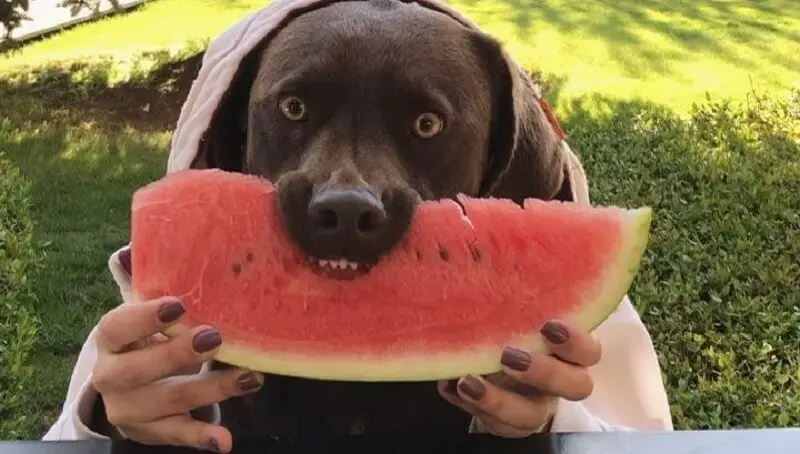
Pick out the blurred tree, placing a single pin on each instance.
(75, 6)
(12, 13)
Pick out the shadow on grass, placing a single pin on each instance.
(684, 27)
(86, 141)
(82, 177)
(148, 96)
(717, 288)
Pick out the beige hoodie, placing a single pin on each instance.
(629, 393)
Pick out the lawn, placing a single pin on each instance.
(86, 117)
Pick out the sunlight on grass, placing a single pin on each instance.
(159, 24)
(666, 51)
(86, 222)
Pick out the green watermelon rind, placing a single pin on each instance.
(619, 277)
(480, 360)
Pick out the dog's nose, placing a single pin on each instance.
(346, 213)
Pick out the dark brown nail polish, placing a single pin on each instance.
(472, 387)
(248, 382)
(125, 260)
(213, 446)
(171, 311)
(206, 340)
(516, 359)
(555, 333)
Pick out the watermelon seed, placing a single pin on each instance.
(444, 254)
(237, 269)
(248, 256)
(476, 253)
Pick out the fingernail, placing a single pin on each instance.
(248, 382)
(452, 386)
(171, 311)
(515, 359)
(472, 387)
(555, 333)
(206, 340)
(125, 260)
(213, 446)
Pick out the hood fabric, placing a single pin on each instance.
(225, 54)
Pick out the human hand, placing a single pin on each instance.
(149, 383)
(522, 399)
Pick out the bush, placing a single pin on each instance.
(719, 286)
(19, 325)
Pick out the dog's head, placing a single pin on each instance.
(360, 109)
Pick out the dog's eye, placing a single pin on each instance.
(293, 108)
(428, 125)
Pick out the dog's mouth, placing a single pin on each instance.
(340, 269)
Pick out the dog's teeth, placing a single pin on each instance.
(337, 264)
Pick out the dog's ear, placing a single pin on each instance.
(525, 157)
(224, 141)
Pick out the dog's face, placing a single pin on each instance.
(359, 110)
(357, 115)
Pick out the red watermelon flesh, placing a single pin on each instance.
(443, 303)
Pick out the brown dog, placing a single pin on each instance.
(358, 110)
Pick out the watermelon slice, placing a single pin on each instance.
(465, 281)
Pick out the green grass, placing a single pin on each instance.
(159, 24)
(664, 51)
(719, 286)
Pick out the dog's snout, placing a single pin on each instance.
(347, 214)
(345, 224)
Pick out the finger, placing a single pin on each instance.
(141, 367)
(494, 426)
(181, 430)
(507, 382)
(159, 338)
(125, 260)
(132, 322)
(547, 373)
(155, 339)
(496, 406)
(572, 344)
(448, 390)
(177, 395)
